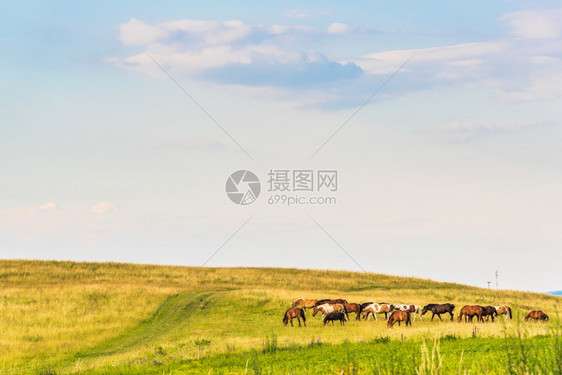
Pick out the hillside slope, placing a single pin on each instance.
(79, 316)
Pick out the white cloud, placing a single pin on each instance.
(340, 28)
(137, 33)
(460, 55)
(234, 53)
(102, 207)
(48, 205)
(231, 52)
(535, 24)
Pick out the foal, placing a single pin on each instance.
(292, 313)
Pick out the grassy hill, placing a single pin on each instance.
(70, 317)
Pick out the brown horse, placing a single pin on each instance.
(292, 313)
(304, 303)
(353, 307)
(487, 312)
(505, 311)
(470, 312)
(536, 315)
(399, 316)
(327, 308)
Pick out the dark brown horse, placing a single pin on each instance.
(292, 313)
(536, 315)
(489, 311)
(438, 309)
(470, 312)
(399, 316)
(333, 316)
(353, 307)
(304, 303)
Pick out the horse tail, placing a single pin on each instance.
(509, 310)
(302, 315)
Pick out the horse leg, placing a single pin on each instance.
(452, 316)
(439, 316)
(299, 320)
(291, 322)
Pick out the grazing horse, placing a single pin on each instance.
(292, 313)
(504, 310)
(438, 309)
(331, 301)
(470, 312)
(353, 307)
(536, 315)
(399, 316)
(488, 311)
(336, 315)
(376, 308)
(412, 309)
(304, 303)
(327, 308)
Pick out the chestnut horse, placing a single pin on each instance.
(399, 316)
(412, 309)
(304, 303)
(353, 307)
(438, 309)
(376, 308)
(292, 313)
(327, 308)
(470, 312)
(504, 310)
(536, 315)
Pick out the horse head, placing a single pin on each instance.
(315, 311)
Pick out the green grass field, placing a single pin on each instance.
(109, 318)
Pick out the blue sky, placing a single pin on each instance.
(451, 171)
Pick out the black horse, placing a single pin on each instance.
(331, 317)
(438, 309)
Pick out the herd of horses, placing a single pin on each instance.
(333, 310)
